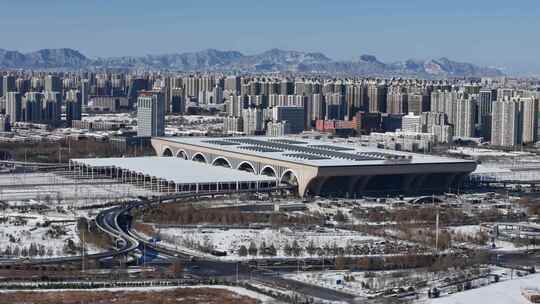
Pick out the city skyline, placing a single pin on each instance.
(488, 34)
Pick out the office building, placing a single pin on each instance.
(150, 114)
(294, 116)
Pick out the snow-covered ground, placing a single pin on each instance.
(52, 188)
(237, 290)
(30, 201)
(500, 245)
(230, 240)
(505, 292)
(27, 234)
(361, 284)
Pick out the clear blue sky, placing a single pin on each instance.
(495, 33)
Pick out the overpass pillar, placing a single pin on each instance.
(352, 183)
(316, 184)
(363, 183)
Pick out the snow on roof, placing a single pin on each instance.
(312, 152)
(505, 292)
(176, 170)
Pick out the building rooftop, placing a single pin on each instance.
(311, 152)
(175, 170)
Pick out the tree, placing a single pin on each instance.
(242, 251)
(252, 250)
(176, 268)
(340, 217)
(41, 250)
(263, 249)
(8, 251)
(310, 248)
(296, 249)
(33, 250)
(340, 263)
(24, 251)
(287, 249)
(271, 251)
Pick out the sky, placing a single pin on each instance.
(503, 34)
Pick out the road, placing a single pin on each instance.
(116, 222)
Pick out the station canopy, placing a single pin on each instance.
(173, 169)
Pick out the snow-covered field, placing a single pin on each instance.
(231, 240)
(237, 290)
(505, 292)
(28, 235)
(500, 245)
(30, 201)
(362, 284)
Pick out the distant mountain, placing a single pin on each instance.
(274, 60)
(44, 59)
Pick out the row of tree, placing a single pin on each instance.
(190, 215)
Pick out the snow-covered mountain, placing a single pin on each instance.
(272, 60)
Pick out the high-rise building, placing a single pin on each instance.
(32, 107)
(253, 121)
(5, 123)
(73, 106)
(136, 85)
(355, 96)
(276, 129)
(85, 91)
(235, 106)
(418, 103)
(233, 125)
(178, 102)
(529, 110)
(444, 101)
(484, 104)
(294, 116)
(335, 106)
(397, 102)
(436, 123)
(505, 123)
(411, 123)
(150, 114)
(52, 108)
(319, 107)
(53, 83)
(8, 85)
(14, 106)
(377, 94)
(22, 85)
(287, 87)
(232, 84)
(464, 118)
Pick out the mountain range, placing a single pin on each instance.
(274, 60)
